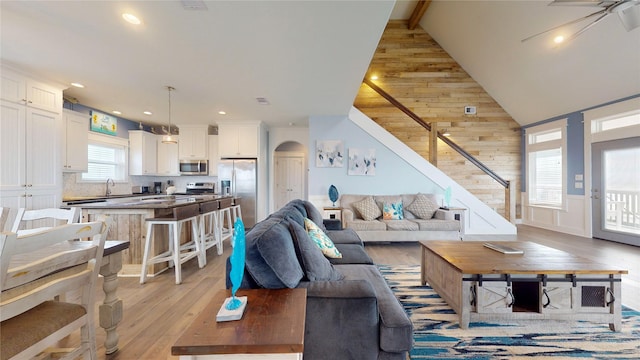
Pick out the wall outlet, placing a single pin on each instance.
(469, 110)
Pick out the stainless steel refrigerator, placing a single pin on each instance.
(239, 177)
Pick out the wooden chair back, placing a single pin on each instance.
(35, 268)
(28, 221)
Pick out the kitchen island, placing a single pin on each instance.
(130, 214)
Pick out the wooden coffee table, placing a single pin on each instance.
(481, 284)
(272, 327)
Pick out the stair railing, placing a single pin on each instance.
(509, 193)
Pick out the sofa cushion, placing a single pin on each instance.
(314, 214)
(438, 225)
(424, 206)
(313, 262)
(368, 208)
(401, 225)
(321, 239)
(363, 225)
(396, 330)
(270, 256)
(344, 236)
(392, 211)
(352, 254)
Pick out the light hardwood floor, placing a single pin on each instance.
(155, 314)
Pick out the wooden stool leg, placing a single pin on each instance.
(199, 243)
(217, 232)
(145, 257)
(176, 251)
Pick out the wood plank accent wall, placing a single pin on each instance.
(415, 70)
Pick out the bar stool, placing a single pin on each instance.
(210, 226)
(236, 213)
(226, 221)
(177, 254)
(226, 230)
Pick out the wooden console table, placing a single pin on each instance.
(272, 327)
(481, 284)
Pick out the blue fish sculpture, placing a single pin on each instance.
(237, 263)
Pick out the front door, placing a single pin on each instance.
(616, 190)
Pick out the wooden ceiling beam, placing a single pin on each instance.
(419, 10)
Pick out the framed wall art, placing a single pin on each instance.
(104, 123)
(362, 162)
(329, 153)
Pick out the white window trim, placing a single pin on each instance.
(552, 144)
(109, 140)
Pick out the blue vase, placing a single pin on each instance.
(333, 194)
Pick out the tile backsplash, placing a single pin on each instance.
(73, 188)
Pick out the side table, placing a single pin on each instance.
(333, 213)
(272, 327)
(458, 214)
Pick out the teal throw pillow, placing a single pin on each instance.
(321, 239)
(392, 211)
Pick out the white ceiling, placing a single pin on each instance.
(306, 57)
(536, 80)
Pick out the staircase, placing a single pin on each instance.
(419, 74)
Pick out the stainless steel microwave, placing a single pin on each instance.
(194, 167)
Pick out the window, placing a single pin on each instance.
(546, 157)
(616, 121)
(107, 159)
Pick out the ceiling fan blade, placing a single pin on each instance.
(603, 11)
(589, 26)
(602, 3)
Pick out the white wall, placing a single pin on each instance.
(399, 170)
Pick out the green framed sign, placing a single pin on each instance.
(104, 123)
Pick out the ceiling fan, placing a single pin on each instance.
(628, 11)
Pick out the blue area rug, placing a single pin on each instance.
(437, 334)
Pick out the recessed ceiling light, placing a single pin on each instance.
(131, 19)
(222, 112)
(374, 77)
(78, 85)
(148, 113)
(116, 112)
(558, 39)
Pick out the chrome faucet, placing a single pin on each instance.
(108, 192)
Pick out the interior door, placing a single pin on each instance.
(289, 176)
(616, 190)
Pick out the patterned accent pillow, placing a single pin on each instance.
(392, 211)
(423, 207)
(367, 208)
(321, 239)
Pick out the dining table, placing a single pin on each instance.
(110, 311)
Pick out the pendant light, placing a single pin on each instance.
(168, 139)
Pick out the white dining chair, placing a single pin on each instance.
(30, 221)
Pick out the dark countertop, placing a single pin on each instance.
(150, 202)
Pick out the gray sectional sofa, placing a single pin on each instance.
(351, 311)
(421, 218)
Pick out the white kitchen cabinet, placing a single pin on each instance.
(168, 163)
(213, 155)
(193, 144)
(30, 152)
(238, 140)
(21, 89)
(142, 153)
(75, 140)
